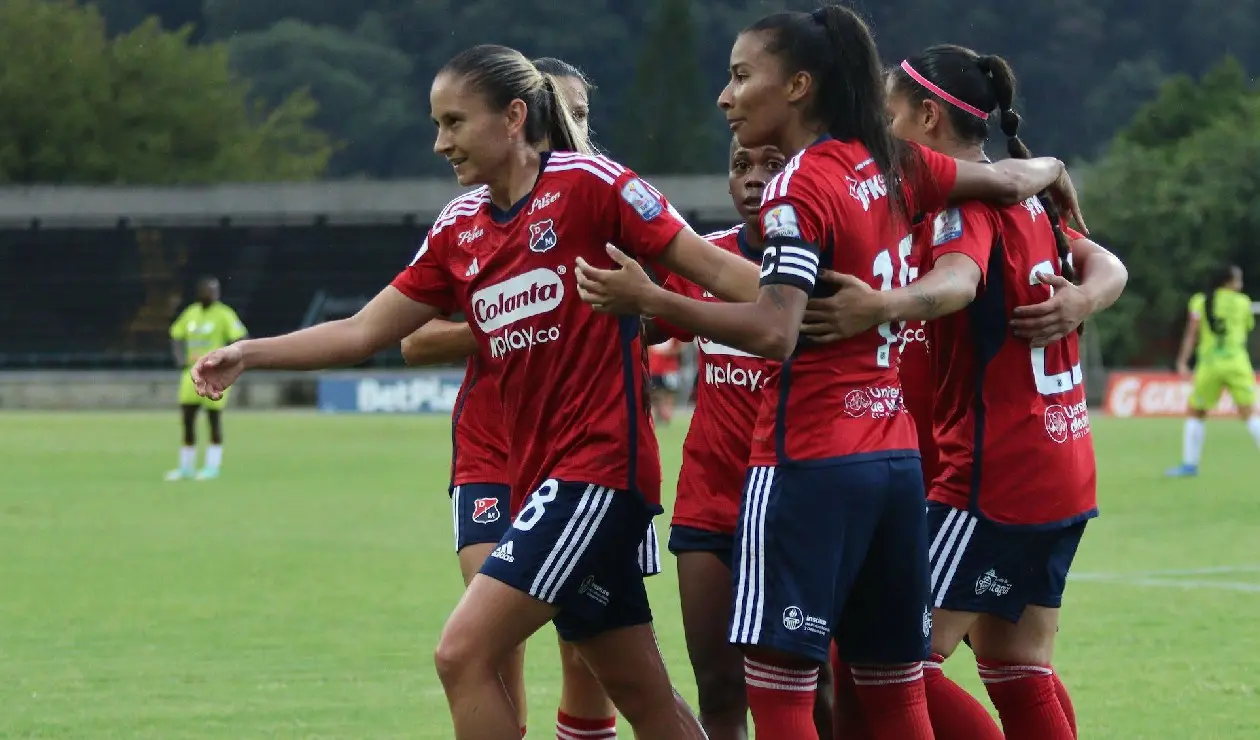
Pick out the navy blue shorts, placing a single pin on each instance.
(982, 567)
(480, 511)
(689, 539)
(837, 550)
(577, 546)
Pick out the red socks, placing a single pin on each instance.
(956, 714)
(1026, 699)
(781, 700)
(847, 720)
(575, 728)
(893, 701)
(1065, 702)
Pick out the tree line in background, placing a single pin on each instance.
(165, 91)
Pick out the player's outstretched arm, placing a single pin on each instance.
(725, 275)
(855, 307)
(766, 326)
(439, 342)
(386, 319)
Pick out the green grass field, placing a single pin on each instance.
(301, 595)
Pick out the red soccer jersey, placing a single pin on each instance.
(841, 399)
(479, 450)
(728, 397)
(913, 365)
(663, 357)
(1011, 421)
(571, 380)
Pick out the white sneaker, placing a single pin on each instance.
(178, 474)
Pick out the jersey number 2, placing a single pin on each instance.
(893, 272)
(1070, 376)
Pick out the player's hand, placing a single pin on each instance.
(1053, 319)
(214, 373)
(854, 308)
(620, 291)
(1183, 369)
(1064, 194)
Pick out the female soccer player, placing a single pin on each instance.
(571, 383)
(204, 326)
(479, 482)
(833, 532)
(715, 454)
(1220, 320)
(1002, 541)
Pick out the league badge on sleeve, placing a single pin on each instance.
(780, 221)
(642, 199)
(948, 227)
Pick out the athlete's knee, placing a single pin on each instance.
(460, 654)
(721, 689)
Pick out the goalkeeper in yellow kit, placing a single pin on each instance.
(204, 326)
(1220, 320)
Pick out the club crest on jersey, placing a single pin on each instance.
(542, 236)
(485, 510)
(947, 228)
(642, 199)
(780, 221)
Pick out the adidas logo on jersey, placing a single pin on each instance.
(504, 552)
(473, 269)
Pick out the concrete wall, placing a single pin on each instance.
(278, 204)
(85, 390)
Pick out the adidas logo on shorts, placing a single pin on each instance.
(504, 552)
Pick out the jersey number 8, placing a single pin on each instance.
(536, 506)
(887, 268)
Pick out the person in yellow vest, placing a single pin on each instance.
(204, 326)
(1220, 321)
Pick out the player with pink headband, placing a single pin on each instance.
(1007, 405)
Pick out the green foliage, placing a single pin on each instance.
(360, 80)
(144, 107)
(668, 121)
(1177, 195)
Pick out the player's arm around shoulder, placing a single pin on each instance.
(1103, 276)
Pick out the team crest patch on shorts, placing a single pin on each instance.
(485, 510)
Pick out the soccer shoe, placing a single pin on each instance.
(178, 474)
(207, 474)
(1182, 471)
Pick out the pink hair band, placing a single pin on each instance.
(938, 92)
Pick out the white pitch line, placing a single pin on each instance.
(1182, 583)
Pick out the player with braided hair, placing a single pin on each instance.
(1220, 320)
(1003, 408)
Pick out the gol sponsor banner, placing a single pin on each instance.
(1156, 394)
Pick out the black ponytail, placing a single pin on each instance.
(834, 45)
(1002, 80)
(1220, 278)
